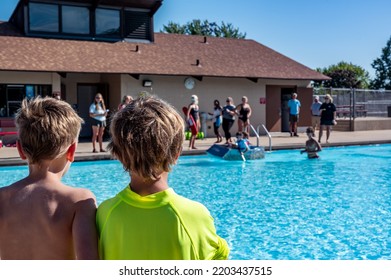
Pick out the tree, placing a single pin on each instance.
(382, 66)
(344, 75)
(174, 28)
(204, 28)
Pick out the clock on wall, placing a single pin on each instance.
(189, 83)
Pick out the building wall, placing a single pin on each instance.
(172, 89)
(16, 77)
(73, 79)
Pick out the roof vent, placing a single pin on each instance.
(197, 63)
(137, 49)
(205, 40)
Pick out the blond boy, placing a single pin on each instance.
(147, 220)
(40, 217)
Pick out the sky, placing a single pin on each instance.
(315, 33)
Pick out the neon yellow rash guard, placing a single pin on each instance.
(160, 226)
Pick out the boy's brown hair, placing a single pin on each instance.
(46, 127)
(310, 130)
(147, 136)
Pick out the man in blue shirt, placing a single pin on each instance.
(294, 110)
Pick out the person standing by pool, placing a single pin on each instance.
(217, 120)
(98, 114)
(228, 119)
(125, 101)
(40, 217)
(244, 113)
(311, 145)
(294, 111)
(56, 95)
(194, 111)
(147, 220)
(315, 113)
(328, 117)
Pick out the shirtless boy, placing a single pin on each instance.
(311, 145)
(40, 217)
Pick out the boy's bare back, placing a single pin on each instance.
(46, 221)
(40, 217)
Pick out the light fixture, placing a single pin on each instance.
(147, 83)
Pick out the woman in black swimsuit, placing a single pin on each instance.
(243, 110)
(193, 110)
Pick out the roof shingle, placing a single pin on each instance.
(169, 54)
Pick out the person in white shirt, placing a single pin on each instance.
(315, 113)
(98, 114)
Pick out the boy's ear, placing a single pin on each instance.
(177, 156)
(20, 150)
(71, 152)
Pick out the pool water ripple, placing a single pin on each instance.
(284, 207)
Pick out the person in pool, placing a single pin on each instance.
(312, 147)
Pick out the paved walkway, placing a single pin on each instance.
(9, 155)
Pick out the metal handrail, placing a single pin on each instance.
(256, 134)
(267, 133)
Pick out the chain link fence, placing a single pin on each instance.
(355, 103)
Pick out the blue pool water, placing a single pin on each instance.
(285, 206)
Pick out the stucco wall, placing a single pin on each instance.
(14, 77)
(172, 89)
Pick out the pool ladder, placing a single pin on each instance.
(267, 133)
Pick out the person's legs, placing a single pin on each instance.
(313, 122)
(94, 135)
(230, 124)
(246, 126)
(291, 128)
(226, 129)
(192, 141)
(317, 124)
(295, 128)
(100, 138)
(217, 133)
(327, 133)
(240, 125)
(321, 127)
(292, 123)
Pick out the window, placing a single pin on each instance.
(75, 20)
(107, 22)
(11, 96)
(43, 17)
(85, 20)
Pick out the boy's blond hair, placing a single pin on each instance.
(147, 137)
(46, 127)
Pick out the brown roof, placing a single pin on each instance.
(170, 54)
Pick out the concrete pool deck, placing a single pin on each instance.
(9, 155)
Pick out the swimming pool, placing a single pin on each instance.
(284, 207)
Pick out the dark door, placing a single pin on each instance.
(286, 94)
(85, 96)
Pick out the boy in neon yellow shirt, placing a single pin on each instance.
(148, 220)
